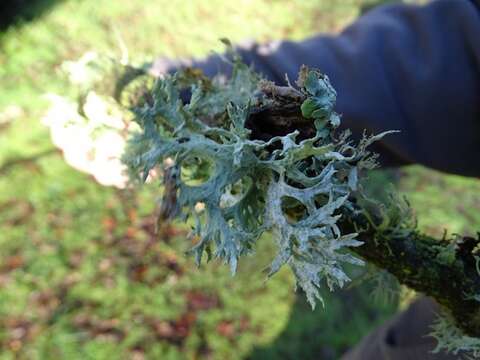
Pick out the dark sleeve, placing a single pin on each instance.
(404, 67)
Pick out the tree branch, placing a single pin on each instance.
(443, 269)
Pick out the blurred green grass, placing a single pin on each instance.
(82, 275)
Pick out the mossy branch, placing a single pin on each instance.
(444, 269)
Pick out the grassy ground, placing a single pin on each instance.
(81, 273)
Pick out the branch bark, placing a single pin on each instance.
(443, 269)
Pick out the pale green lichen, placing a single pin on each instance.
(450, 339)
(272, 179)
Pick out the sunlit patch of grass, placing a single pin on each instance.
(443, 202)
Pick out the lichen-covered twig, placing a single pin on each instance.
(250, 157)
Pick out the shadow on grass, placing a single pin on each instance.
(18, 12)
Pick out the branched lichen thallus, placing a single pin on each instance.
(250, 157)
